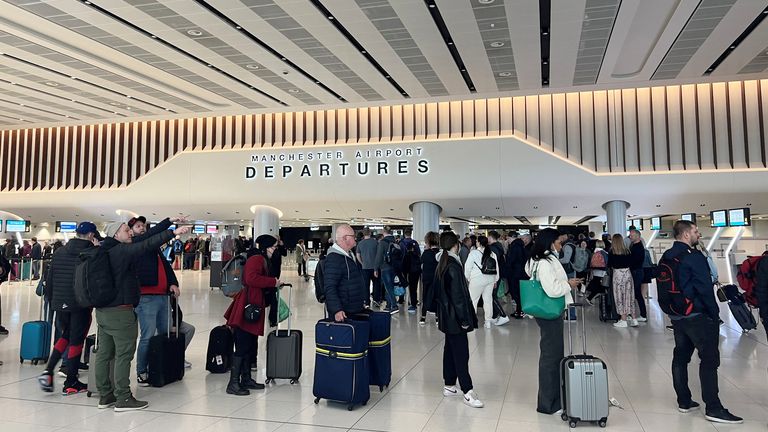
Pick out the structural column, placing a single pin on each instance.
(266, 220)
(460, 228)
(616, 213)
(426, 218)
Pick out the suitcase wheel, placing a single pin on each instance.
(21, 359)
(572, 424)
(564, 416)
(268, 380)
(317, 400)
(365, 403)
(34, 362)
(350, 407)
(381, 388)
(89, 393)
(294, 381)
(602, 423)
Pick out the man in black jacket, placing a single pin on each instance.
(157, 280)
(516, 259)
(345, 290)
(699, 330)
(36, 255)
(118, 328)
(499, 316)
(72, 321)
(637, 252)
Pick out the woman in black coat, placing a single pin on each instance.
(428, 267)
(456, 317)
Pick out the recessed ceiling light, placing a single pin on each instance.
(194, 32)
(52, 84)
(544, 33)
(461, 208)
(450, 43)
(293, 90)
(153, 37)
(658, 205)
(505, 74)
(497, 44)
(733, 46)
(238, 27)
(115, 103)
(252, 66)
(485, 1)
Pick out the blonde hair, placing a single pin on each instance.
(617, 245)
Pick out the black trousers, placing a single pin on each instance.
(551, 353)
(456, 361)
(302, 268)
(370, 285)
(413, 288)
(702, 334)
(595, 287)
(514, 291)
(637, 280)
(246, 345)
(72, 328)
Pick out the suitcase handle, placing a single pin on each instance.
(290, 294)
(178, 324)
(575, 306)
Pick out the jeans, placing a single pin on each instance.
(388, 281)
(637, 280)
(456, 361)
(702, 334)
(152, 312)
(551, 353)
(118, 329)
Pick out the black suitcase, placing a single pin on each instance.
(90, 341)
(608, 307)
(284, 350)
(166, 356)
(739, 307)
(218, 358)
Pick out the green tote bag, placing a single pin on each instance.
(536, 302)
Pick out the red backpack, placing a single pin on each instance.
(747, 277)
(598, 260)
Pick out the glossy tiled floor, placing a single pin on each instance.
(503, 367)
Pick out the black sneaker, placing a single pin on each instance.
(143, 379)
(107, 401)
(46, 382)
(3, 331)
(75, 388)
(422, 322)
(130, 404)
(691, 406)
(723, 416)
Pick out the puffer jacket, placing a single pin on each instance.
(345, 288)
(122, 258)
(451, 299)
(60, 280)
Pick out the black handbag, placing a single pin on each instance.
(251, 312)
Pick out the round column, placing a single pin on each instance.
(426, 218)
(460, 228)
(616, 213)
(266, 220)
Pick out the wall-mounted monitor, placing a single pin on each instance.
(629, 224)
(16, 226)
(656, 223)
(638, 223)
(66, 227)
(718, 218)
(739, 217)
(198, 229)
(212, 229)
(690, 217)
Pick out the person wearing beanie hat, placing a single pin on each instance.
(117, 324)
(256, 280)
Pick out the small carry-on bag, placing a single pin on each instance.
(284, 349)
(379, 348)
(584, 378)
(93, 354)
(36, 339)
(341, 362)
(165, 359)
(739, 307)
(221, 346)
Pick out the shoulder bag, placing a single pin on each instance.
(536, 302)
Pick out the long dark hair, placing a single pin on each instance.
(543, 243)
(447, 241)
(483, 241)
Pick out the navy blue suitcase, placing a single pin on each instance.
(379, 348)
(341, 362)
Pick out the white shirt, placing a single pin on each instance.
(552, 276)
(473, 266)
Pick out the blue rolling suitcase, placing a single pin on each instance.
(36, 339)
(341, 362)
(379, 349)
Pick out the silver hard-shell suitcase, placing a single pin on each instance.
(584, 379)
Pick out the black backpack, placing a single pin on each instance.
(318, 278)
(489, 266)
(394, 256)
(672, 299)
(94, 286)
(413, 258)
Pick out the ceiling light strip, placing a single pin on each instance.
(268, 48)
(732, 47)
(545, 21)
(55, 96)
(364, 52)
(37, 109)
(437, 17)
(179, 50)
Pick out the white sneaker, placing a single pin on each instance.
(470, 398)
(500, 321)
(487, 324)
(642, 319)
(187, 364)
(621, 324)
(450, 391)
(633, 323)
(558, 413)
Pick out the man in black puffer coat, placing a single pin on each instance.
(72, 321)
(345, 290)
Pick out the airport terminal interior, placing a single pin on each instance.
(292, 118)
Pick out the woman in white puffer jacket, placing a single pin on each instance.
(481, 284)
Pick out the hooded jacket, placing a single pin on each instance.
(122, 259)
(60, 280)
(345, 288)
